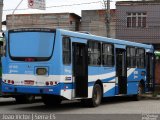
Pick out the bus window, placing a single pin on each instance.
(94, 53)
(131, 57)
(66, 50)
(31, 45)
(2, 46)
(107, 54)
(140, 58)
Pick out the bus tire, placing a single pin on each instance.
(96, 97)
(24, 99)
(49, 100)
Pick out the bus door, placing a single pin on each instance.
(121, 71)
(80, 69)
(150, 71)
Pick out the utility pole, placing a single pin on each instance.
(107, 17)
(1, 12)
(13, 13)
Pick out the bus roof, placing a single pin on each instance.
(110, 40)
(87, 36)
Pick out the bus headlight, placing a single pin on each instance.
(41, 71)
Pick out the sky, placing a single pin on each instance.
(9, 5)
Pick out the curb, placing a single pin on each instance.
(151, 97)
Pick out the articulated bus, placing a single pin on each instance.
(64, 65)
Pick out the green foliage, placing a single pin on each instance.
(154, 94)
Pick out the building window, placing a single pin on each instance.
(94, 53)
(107, 54)
(140, 58)
(136, 19)
(131, 57)
(71, 22)
(129, 22)
(66, 50)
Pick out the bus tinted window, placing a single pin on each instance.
(107, 55)
(94, 53)
(31, 45)
(66, 50)
(131, 57)
(140, 58)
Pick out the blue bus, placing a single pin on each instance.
(59, 64)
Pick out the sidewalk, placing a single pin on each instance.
(151, 96)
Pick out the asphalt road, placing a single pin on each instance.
(110, 109)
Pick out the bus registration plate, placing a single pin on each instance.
(29, 82)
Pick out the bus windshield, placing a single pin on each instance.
(37, 45)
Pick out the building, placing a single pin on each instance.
(68, 21)
(139, 21)
(94, 22)
(1, 11)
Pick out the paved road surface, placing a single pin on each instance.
(110, 109)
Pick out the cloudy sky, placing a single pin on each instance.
(54, 6)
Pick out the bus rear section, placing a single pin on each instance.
(29, 65)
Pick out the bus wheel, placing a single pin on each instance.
(96, 97)
(49, 100)
(25, 98)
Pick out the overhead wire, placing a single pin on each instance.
(65, 5)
